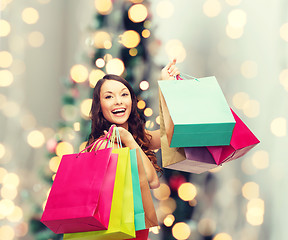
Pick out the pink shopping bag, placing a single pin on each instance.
(242, 141)
(81, 194)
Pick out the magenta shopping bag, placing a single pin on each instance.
(242, 141)
(81, 194)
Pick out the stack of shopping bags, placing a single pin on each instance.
(199, 131)
(101, 194)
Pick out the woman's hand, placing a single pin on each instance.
(125, 136)
(170, 71)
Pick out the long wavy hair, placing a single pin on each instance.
(136, 124)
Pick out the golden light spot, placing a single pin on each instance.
(162, 192)
(36, 39)
(169, 220)
(3, 173)
(64, 148)
(141, 104)
(115, 66)
(149, 124)
(193, 202)
(104, 7)
(144, 85)
(9, 193)
(234, 32)
(130, 39)
(187, 191)
(240, 99)
(6, 78)
(6, 59)
(284, 32)
(30, 15)
(137, 13)
(260, 159)
(255, 212)
(251, 108)
(148, 112)
(167, 206)
(16, 215)
(175, 49)
(147, 24)
(7, 232)
(237, 18)
(249, 69)
(102, 39)
(250, 190)
(283, 78)
(133, 52)
(146, 33)
(6, 207)
(11, 180)
(212, 8)
(222, 236)
(82, 146)
(36, 139)
(100, 63)
(5, 28)
(85, 108)
(206, 227)
(158, 120)
(181, 231)
(94, 76)
(79, 73)
(278, 127)
(54, 163)
(165, 9)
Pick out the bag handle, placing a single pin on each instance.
(115, 135)
(106, 137)
(184, 76)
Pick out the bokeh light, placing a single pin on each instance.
(251, 108)
(30, 15)
(250, 190)
(9, 193)
(11, 180)
(206, 227)
(249, 69)
(7, 232)
(6, 59)
(146, 33)
(175, 49)
(36, 139)
(115, 66)
(104, 7)
(133, 52)
(6, 207)
(162, 192)
(5, 28)
(158, 120)
(36, 39)
(16, 215)
(165, 9)
(212, 8)
(234, 32)
(239, 99)
(130, 39)
(222, 236)
(237, 18)
(79, 73)
(64, 148)
(94, 76)
(181, 231)
(144, 85)
(284, 32)
(141, 104)
(148, 112)
(260, 159)
(54, 163)
(76, 126)
(85, 108)
(283, 78)
(102, 39)
(6, 78)
(255, 212)
(3, 173)
(169, 220)
(137, 13)
(100, 63)
(149, 124)
(187, 191)
(278, 127)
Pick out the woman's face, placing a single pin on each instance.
(116, 102)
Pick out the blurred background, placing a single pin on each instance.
(53, 52)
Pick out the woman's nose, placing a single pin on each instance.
(118, 100)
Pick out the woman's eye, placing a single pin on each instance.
(107, 97)
(125, 94)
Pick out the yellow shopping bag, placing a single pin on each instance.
(121, 223)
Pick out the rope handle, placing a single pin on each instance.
(184, 76)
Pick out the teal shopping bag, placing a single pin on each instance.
(139, 215)
(195, 113)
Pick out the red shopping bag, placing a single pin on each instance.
(81, 194)
(242, 141)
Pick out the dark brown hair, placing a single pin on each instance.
(135, 123)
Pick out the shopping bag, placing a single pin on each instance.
(148, 205)
(139, 215)
(192, 159)
(121, 224)
(242, 141)
(78, 200)
(195, 113)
